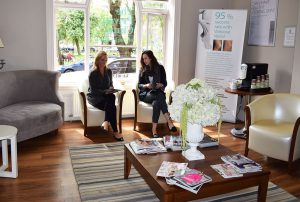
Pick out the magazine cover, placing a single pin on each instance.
(192, 180)
(192, 177)
(173, 142)
(147, 146)
(194, 189)
(226, 170)
(208, 141)
(146, 143)
(242, 163)
(168, 169)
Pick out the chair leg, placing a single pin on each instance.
(246, 151)
(14, 158)
(134, 124)
(290, 167)
(55, 132)
(85, 131)
(4, 156)
(120, 125)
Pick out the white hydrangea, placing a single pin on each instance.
(202, 102)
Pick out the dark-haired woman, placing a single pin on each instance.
(152, 83)
(101, 93)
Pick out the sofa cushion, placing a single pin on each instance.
(32, 118)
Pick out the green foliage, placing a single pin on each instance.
(183, 124)
(70, 25)
(100, 27)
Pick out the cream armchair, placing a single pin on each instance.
(144, 111)
(91, 116)
(272, 127)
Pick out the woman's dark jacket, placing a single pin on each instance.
(159, 76)
(98, 85)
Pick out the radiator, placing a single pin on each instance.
(72, 105)
(70, 97)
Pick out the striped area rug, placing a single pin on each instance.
(98, 170)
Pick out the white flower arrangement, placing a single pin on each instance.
(197, 103)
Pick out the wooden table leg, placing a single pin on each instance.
(127, 164)
(263, 189)
(167, 198)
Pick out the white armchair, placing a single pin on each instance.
(91, 116)
(272, 127)
(144, 111)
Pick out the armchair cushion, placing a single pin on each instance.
(272, 126)
(29, 100)
(144, 111)
(32, 117)
(91, 116)
(271, 138)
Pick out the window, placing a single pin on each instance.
(70, 43)
(153, 27)
(78, 29)
(112, 30)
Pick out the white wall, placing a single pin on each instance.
(282, 64)
(296, 67)
(279, 58)
(23, 32)
(188, 35)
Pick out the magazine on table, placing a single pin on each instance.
(208, 141)
(173, 142)
(226, 170)
(169, 169)
(242, 163)
(192, 180)
(147, 146)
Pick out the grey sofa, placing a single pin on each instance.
(29, 101)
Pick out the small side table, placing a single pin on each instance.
(9, 132)
(239, 132)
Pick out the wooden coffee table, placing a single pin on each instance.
(148, 165)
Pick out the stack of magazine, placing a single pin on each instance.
(226, 170)
(175, 142)
(208, 141)
(241, 163)
(170, 169)
(180, 175)
(147, 146)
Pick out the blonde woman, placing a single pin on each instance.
(101, 93)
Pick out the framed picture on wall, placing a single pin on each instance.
(289, 37)
(262, 27)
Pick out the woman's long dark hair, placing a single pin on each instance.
(154, 65)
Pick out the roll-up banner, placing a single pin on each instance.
(219, 52)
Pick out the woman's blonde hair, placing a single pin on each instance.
(97, 58)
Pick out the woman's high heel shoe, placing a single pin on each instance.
(173, 129)
(118, 139)
(155, 135)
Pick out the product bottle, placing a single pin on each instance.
(258, 85)
(253, 84)
(267, 81)
(263, 83)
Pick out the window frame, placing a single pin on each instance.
(170, 59)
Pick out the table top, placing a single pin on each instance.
(250, 93)
(7, 131)
(149, 164)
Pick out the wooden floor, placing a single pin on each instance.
(45, 171)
